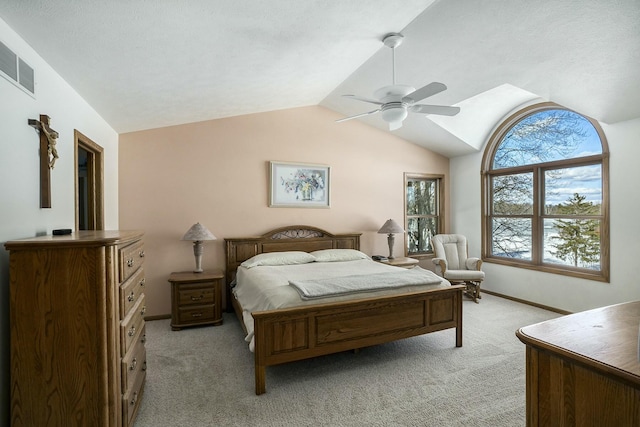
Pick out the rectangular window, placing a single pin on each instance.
(423, 213)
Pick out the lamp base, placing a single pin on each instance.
(197, 252)
(390, 240)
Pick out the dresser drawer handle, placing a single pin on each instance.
(144, 310)
(133, 365)
(144, 338)
(130, 262)
(141, 254)
(196, 314)
(144, 365)
(131, 296)
(134, 399)
(132, 331)
(142, 283)
(197, 298)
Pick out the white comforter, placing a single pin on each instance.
(267, 287)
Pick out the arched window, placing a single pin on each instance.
(545, 193)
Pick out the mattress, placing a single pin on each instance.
(267, 287)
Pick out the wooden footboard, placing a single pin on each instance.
(287, 335)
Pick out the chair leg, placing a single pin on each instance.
(473, 290)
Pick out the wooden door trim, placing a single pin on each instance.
(97, 187)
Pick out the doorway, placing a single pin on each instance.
(89, 172)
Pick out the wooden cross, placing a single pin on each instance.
(48, 156)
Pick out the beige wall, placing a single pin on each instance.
(216, 173)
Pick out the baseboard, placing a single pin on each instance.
(157, 317)
(522, 301)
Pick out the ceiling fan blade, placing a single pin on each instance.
(395, 125)
(357, 115)
(424, 92)
(359, 98)
(442, 110)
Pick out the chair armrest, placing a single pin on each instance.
(473, 264)
(441, 265)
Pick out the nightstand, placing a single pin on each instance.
(403, 262)
(196, 298)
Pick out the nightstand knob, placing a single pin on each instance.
(134, 399)
(141, 254)
(142, 282)
(144, 310)
(132, 331)
(133, 365)
(144, 339)
(131, 296)
(130, 262)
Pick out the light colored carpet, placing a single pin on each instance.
(204, 377)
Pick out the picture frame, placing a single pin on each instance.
(299, 185)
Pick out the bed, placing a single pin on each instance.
(334, 325)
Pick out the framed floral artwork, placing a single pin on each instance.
(299, 185)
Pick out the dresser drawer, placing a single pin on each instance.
(195, 294)
(134, 363)
(130, 291)
(132, 326)
(196, 314)
(131, 399)
(130, 259)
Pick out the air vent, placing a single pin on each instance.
(16, 70)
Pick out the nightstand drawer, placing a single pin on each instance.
(196, 314)
(197, 293)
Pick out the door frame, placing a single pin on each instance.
(95, 174)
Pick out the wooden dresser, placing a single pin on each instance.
(77, 329)
(583, 369)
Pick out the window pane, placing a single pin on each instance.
(419, 233)
(546, 136)
(573, 191)
(421, 197)
(574, 242)
(513, 194)
(511, 237)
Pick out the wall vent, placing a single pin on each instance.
(14, 69)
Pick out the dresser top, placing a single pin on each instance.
(77, 238)
(604, 338)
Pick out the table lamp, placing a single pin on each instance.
(390, 228)
(198, 233)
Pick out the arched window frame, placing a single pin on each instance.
(538, 169)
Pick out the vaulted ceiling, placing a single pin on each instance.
(151, 63)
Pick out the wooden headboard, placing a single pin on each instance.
(291, 238)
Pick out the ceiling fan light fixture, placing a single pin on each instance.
(394, 113)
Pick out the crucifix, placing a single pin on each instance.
(48, 156)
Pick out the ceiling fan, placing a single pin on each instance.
(396, 101)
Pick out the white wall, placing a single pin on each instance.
(553, 290)
(20, 212)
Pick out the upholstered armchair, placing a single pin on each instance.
(452, 263)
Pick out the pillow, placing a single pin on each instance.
(279, 258)
(331, 255)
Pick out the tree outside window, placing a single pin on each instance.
(423, 198)
(545, 199)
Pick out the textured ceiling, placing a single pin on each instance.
(152, 63)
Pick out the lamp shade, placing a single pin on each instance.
(391, 227)
(198, 233)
